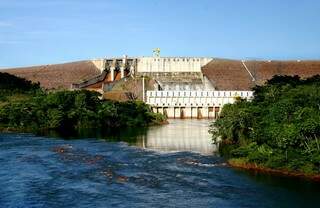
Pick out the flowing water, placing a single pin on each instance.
(166, 166)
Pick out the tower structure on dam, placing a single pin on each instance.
(180, 89)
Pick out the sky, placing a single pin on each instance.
(34, 32)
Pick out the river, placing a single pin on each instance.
(165, 166)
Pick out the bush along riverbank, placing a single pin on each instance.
(25, 107)
(278, 131)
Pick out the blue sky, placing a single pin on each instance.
(36, 32)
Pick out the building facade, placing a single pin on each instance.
(193, 104)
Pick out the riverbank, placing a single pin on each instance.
(240, 163)
(278, 131)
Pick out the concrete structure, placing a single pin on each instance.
(112, 69)
(171, 64)
(171, 73)
(146, 65)
(192, 84)
(192, 104)
(175, 73)
(182, 91)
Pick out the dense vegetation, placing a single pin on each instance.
(24, 106)
(13, 86)
(13, 83)
(278, 129)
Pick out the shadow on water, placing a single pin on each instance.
(289, 191)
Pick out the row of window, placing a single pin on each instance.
(197, 94)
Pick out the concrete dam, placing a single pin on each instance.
(180, 89)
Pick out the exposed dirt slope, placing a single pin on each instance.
(227, 75)
(58, 75)
(232, 74)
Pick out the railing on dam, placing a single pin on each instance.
(192, 104)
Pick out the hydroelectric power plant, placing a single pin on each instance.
(180, 89)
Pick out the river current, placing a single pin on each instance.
(166, 166)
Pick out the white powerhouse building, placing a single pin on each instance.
(192, 104)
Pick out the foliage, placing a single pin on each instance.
(15, 88)
(279, 128)
(70, 110)
(12, 84)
